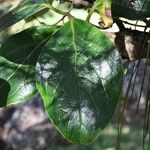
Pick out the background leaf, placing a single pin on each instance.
(4, 92)
(25, 9)
(79, 76)
(134, 10)
(19, 82)
(17, 66)
(25, 47)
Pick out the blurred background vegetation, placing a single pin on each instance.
(26, 127)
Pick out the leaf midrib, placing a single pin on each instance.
(76, 74)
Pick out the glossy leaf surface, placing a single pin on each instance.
(79, 76)
(25, 9)
(17, 66)
(134, 10)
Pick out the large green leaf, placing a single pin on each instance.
(25, 9)
(17, 66)
(134, 10)
(79, 76)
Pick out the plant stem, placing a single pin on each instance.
(91, 11)
(57, 10)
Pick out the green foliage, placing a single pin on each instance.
(77, 74)
(27, 43)
(25, 9)
(75, 68)
(134, 10)
(20, 82)
(19, 54)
